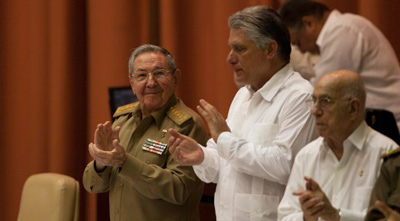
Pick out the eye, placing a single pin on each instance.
(324, 102)
(238, 49)
(160, 74)
(141, 76)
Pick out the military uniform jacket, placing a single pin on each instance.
(150, 185)
(387, 187)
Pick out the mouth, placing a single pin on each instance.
(151, 92)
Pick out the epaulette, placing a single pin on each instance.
(125, 109)
(391, 153)
(178, 116)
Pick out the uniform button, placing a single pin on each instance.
(148, 161)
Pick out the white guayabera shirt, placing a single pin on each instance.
(347, 183)
(251, 164)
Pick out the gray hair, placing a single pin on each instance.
(151, 48)
(263, 25)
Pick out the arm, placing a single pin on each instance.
(187, 151)
(289, 208)
(106, 152)
(343, 48)
(381, 193)
(272, 161)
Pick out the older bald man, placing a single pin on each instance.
(333, 176)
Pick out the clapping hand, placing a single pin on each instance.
(106, 149)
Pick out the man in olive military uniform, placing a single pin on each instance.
(131, 157)
(387, 187)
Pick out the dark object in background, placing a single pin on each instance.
(384, 122)
(120, 96)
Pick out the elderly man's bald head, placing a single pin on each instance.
(345, 83)
(339, 99)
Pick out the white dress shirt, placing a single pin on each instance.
(303, 62)
(347, 183)
(349, 41)
(251, 164)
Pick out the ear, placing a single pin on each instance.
(272, 49)
(355, 108)
(131, 83)
(177, 76)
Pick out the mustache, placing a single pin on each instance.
(152, 90)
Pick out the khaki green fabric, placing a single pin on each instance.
(149, 186)
(387, 187)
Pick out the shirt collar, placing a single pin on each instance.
(159, 114)
(273, 85)
(359, 135)
(330, 20)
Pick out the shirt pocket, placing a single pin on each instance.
(261, 133)
(255, 207)
(362, 197)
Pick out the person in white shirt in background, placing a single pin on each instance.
(347, 41)
(302, 62)
(251, 154)
(333, 176)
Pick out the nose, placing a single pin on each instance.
(316, 111)
(231, 58)
(150, 82)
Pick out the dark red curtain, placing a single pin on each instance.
(58, 59)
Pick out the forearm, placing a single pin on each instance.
(95, 182)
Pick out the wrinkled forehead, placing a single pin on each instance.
(327, 86)
(150, 60)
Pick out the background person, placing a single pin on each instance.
(347, 41)
(387, 188)
(333, 176)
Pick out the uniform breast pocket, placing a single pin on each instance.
(263, 133)
(154, 158)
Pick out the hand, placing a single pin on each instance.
(106, 150)
(104, 136)
(215, 120)
(114, 157)
(391, 215)
(314, 202)
(184, 149)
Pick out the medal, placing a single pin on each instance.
(154, 146)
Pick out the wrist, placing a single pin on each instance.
(338, 214)
(98, 168)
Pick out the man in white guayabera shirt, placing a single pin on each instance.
(251, 154)
(347, 41)
(333, 176)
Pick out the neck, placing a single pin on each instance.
(336, 146)
(271, 72)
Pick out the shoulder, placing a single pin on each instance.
(296, 83)
(391, 154)
(125, 109)
(377, 140)
(181, 114)
(312, 147)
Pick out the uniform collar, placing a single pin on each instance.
(160, 114)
